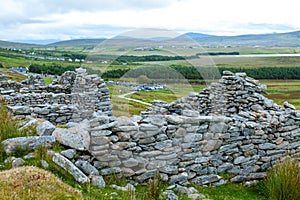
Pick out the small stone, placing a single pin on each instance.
(98, 181)
(239, 178)
(170, 195)
(251, 183)
(206, 179)
(45, 128)
(29, 156)
(131, 162)
(267, 146)
(69, 153)
(86, 167)
(44, 164)
(17, 162)
(288, 105)
(196, 196)
(169, 169)
(112, 170)
(128, 187)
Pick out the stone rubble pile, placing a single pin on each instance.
(230, 127)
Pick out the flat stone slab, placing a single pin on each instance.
(70, 168)
(30, 143)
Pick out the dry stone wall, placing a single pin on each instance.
(229, 127)
(71, 98)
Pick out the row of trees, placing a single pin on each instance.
(74, 56)
(128, 59)
(219, 53)
(53, 69)
(193, 73)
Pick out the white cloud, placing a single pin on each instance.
(57, 19)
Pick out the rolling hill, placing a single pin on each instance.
(6, 44)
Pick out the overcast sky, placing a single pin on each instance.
(70, 19)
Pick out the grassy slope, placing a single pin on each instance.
(34, 183)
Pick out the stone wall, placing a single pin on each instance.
(73, 97)
(229, 127)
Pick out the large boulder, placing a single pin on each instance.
(29, 143)
(76, 137)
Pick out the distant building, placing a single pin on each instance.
(19, 69)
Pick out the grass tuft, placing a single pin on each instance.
(34, 183)
(283, 180)
(9, 127)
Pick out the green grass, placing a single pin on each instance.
(9, 127)
(232, 191)
(48, 80)
(11, 59)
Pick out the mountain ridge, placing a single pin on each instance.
(287, 39)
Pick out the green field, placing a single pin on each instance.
(283, 90)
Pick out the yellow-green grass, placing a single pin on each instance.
(121, 106)
(12, 76)
(48, 80)
(34, 183)
(169, 95)
(20, 61)
(233, 62)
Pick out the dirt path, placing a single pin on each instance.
(123, 96)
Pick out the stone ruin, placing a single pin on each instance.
(229, 127)
(71, 98)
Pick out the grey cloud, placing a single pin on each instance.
(60, 32)
(104, 5)
(19, 12)
(266, 26)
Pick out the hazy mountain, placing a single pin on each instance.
(195, 35)
(289, 39)
(6, 44)
(78, 42)
(38, 42)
